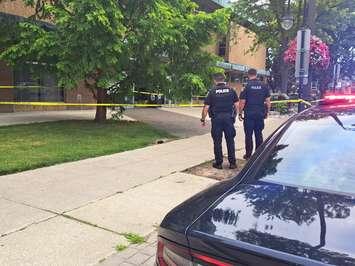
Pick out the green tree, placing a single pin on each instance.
(132, 43)
(340, 34)
(167, 52)
(85, 45)
(264, 18)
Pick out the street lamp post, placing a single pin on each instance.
(302, 64)
(300, 72)
(303, 51)
(287, 19)
(303, 46)
(286, 23)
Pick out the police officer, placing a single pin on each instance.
(222, 104)
(255, 102)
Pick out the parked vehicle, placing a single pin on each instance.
(143, 97)
(293, 203)
(279, 96)
(293, 96)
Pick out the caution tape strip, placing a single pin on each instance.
(149, 93)
(293, 101)
(138, 92)
(23, 87)
(117, 105)
(39, 87)
(127, 104)
(98, 104)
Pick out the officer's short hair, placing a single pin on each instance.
(219, 77)
(252, 72)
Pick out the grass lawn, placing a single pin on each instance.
(25, 147)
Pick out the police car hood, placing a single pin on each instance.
(307, 223)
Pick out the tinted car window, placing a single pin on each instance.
(317, 151)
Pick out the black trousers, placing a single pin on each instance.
(253, 124)
(223, 124)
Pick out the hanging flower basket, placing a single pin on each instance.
(319, 53)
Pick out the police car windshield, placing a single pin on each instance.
(315, 152)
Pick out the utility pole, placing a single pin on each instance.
(302, 64)
(310, 20)
(303, 51)
(336, 75)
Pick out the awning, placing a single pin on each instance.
(241, 68)
(223, 3)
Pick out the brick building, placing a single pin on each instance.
(234, 48)
(18, 85)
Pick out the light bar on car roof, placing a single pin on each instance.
(347, 97)
(335, 99)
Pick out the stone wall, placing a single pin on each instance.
(15, 8)
(240, 43)
(80, 94)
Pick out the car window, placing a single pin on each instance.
(317, 153)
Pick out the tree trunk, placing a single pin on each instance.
(284, 77)
(101, 111)
(283, 66)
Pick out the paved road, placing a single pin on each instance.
(179, 125)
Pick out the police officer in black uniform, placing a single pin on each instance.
(222, 104)
(255, 102)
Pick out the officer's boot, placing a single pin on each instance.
(217, 166)
(233, 166)
(246, 157)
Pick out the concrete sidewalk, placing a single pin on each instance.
(190, 111)
(181, 124)
(7, 119)
(75, 213)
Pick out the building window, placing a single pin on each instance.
(42, 88)
(222, 47)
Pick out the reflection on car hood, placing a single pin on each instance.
(307, 223)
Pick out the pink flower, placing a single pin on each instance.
(319, 53)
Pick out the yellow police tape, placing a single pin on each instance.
(292, 101)
(39, 87)
(22, 87)
(98, 104)
(149, 93)
(118, 105)
(127, 104)
(138, 92)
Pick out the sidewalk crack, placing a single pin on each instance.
(27, 226)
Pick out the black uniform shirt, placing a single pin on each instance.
(221, 99)
(255, 94)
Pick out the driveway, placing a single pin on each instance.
(182, 125)
(180, 122)
(16, 118)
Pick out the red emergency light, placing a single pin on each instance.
(340, 97)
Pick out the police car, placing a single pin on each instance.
(293, 204)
